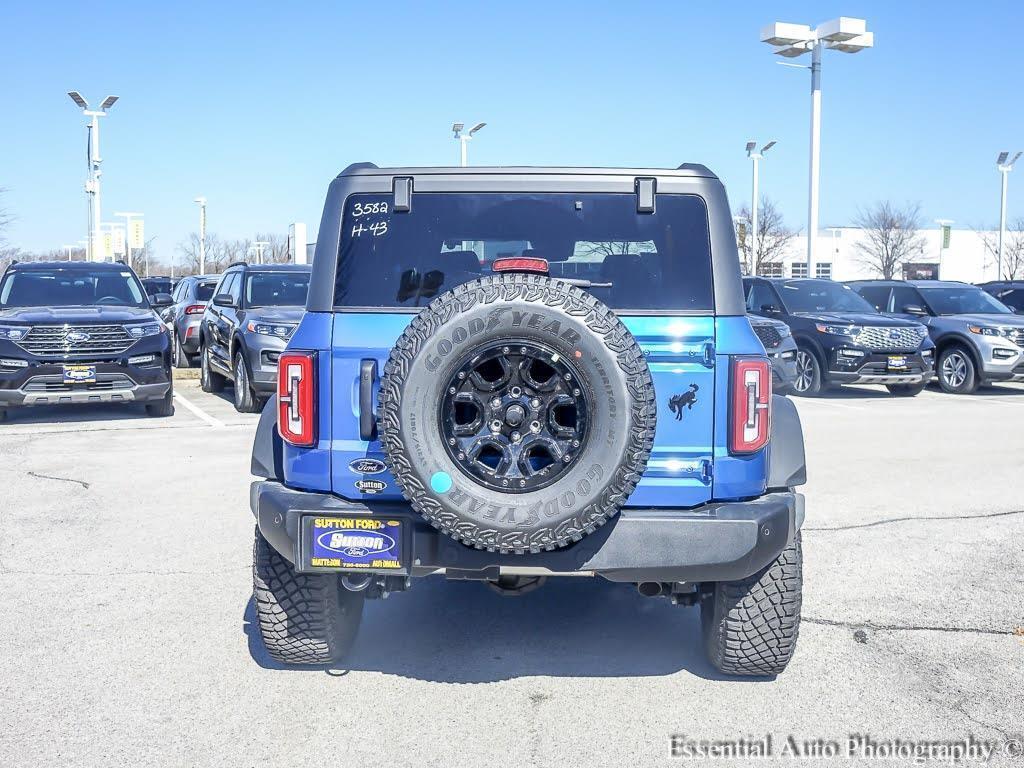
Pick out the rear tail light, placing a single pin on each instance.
(750, 404)
(296, 398)
(195, 309)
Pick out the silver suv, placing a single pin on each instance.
(978, 339)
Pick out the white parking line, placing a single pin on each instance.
(211, 420)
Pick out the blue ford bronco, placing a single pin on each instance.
(511, 374)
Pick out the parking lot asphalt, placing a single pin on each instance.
(128, 638)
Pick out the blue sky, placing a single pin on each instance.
(258, 105)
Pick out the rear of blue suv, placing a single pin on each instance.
(509, 375)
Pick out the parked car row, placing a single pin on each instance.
(236, 325)
(893, 332)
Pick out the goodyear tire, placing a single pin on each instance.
(517, 413)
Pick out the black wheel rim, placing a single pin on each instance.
(515, 416)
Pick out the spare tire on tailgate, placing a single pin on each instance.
(517, 413)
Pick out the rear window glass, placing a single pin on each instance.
(204, 291)
(276, 289)
(642, 261)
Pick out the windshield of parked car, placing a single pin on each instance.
(822, 296)
(276, 289)
(966, 300)
(71, 288)
(154, 285)
(629, 260)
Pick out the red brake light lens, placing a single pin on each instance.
(296, 398)
(195, 309)
(521, 264)
(750, 404)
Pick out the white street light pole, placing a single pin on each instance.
(755, 156)
(464, 139)
(92, 185)
(791, 40)
(1004, 167)
(259, 245)
(202, 234)
(943, 223)
(128, 216)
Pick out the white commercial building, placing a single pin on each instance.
(837, 257)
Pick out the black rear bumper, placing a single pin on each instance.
(722, 541)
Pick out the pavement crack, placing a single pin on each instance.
(60, 479)
(904, 627)
(889, 520)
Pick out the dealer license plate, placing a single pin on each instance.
(897, 362)
(354, 543)
(79, 374)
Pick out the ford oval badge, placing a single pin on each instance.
(367, 466)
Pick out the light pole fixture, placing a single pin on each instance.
(202, 234)
(845, 35)
(258, 245)
(1004, 165)
(755, 155)
(464, 138)
(93, 160)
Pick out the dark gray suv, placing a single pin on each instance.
(254, 310)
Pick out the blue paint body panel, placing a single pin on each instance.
(689, 360)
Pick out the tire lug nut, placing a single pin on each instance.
(505, 350)
(462, 374)
(535, 403)
(576, 392)
(516, 437)
(567, 457)
(535, 426)
(451, 441)
(575, 443)
(568, 377)
(451, 390)
(522, 350)
(462, 457)
(522, 483)
(504, 482)
(496, 402)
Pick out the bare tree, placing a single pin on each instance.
(7, 252)
(891, 237)
(773, 237)
(217, 256)
(1013, 249)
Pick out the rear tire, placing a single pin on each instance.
(307, 619)
(808, 382)
(208, 380)
(905, 390)
(246, 400)
(956, 370)
(751, 626)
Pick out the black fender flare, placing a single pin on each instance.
(267, 453)
(787, 465)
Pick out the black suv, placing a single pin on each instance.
(841, 338)
(1010, 292)
(81, 332)
(245, 326)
